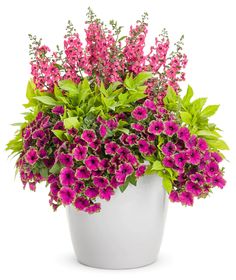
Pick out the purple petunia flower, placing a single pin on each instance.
(26, 133)
(180, 159)
(32, 156)
(112, 124)
(91, 192)
(139, 113)
(102, 130)
(104, 164)
(89, 135)
(143, 146)
(123, 152)
(138, 127)
(168, 162)
(42, 153)
(174, 196)
(197, 178)
(67, 177)
(156, 127)
(66, 160)
(124, 170)
(186, 198)
(39, 116)
(151, 150)
(202, 144)
(59, 126)
(92, 162)
(79, 186)
(106, 193)
(212, 169)
(82, 173)
(114, 183)
(80, 152)
(193, 188)
(58, 110)
(100, 182)
(192, 142)
(94, 208)
(81, 203)
(131, 139)
(38, 134)
(149, 104)
(218, 181)
(170, 128)
(183, 133)
(132, 159)
(216, 156)
(141, 170)
(54, 188)
(111, 148)
(194, 156)
(168, 149)
(67, 195)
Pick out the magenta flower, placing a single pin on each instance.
(82, 173)
(94, 208)
(216, 156)
(138, 127)
(212, 169)
(81, 203)
(58, 110)
(80, 152)
(123, 152)
(100, 182)
(92, 163)
(170, 128)
(141, 170)
(186, 198)
(183, 134)
(218, 181)
(139, 113)
(67, 195)
(91, 192)
(168, 149)
(202, 144)
(156, 127)
(38, 134)
(31, 156)
(143, 146)
(174, 196)
(168, 162)
(131, 139)
(149, 104)
(194, 156)
(102, 131)
(59, 126)
(42, 153)
(192, 142)
(67, 177)
(104, 164)
(106, 193)
(197, 178)
(54, 188)
(111, 148)
(180, 159)
(79, 186)
(132, 159)
(124, 170)
(89, 135)
(66, 160)
(193, 188)
(112, 124)
(26, 133)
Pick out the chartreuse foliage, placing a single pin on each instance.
(196, 117)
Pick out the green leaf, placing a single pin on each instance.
(209, 111)
(46, 100)
(197, 105)
(187, 97)
(142, 77)
(71, 122)
(30, 90)
(43, 172)
(218, 144)
(186, 117)
(124, 187)
(56, 168)
(68, 85)
(157, 165)
(208, 134)
(167, 184)
(59, 134)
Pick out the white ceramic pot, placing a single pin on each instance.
(127, 233)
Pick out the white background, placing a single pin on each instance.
(199, 242)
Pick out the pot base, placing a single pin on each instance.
(127, 233)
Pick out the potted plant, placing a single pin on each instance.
(106, 121)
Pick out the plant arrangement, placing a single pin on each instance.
(104, 113)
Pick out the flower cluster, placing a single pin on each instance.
(104, 114)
